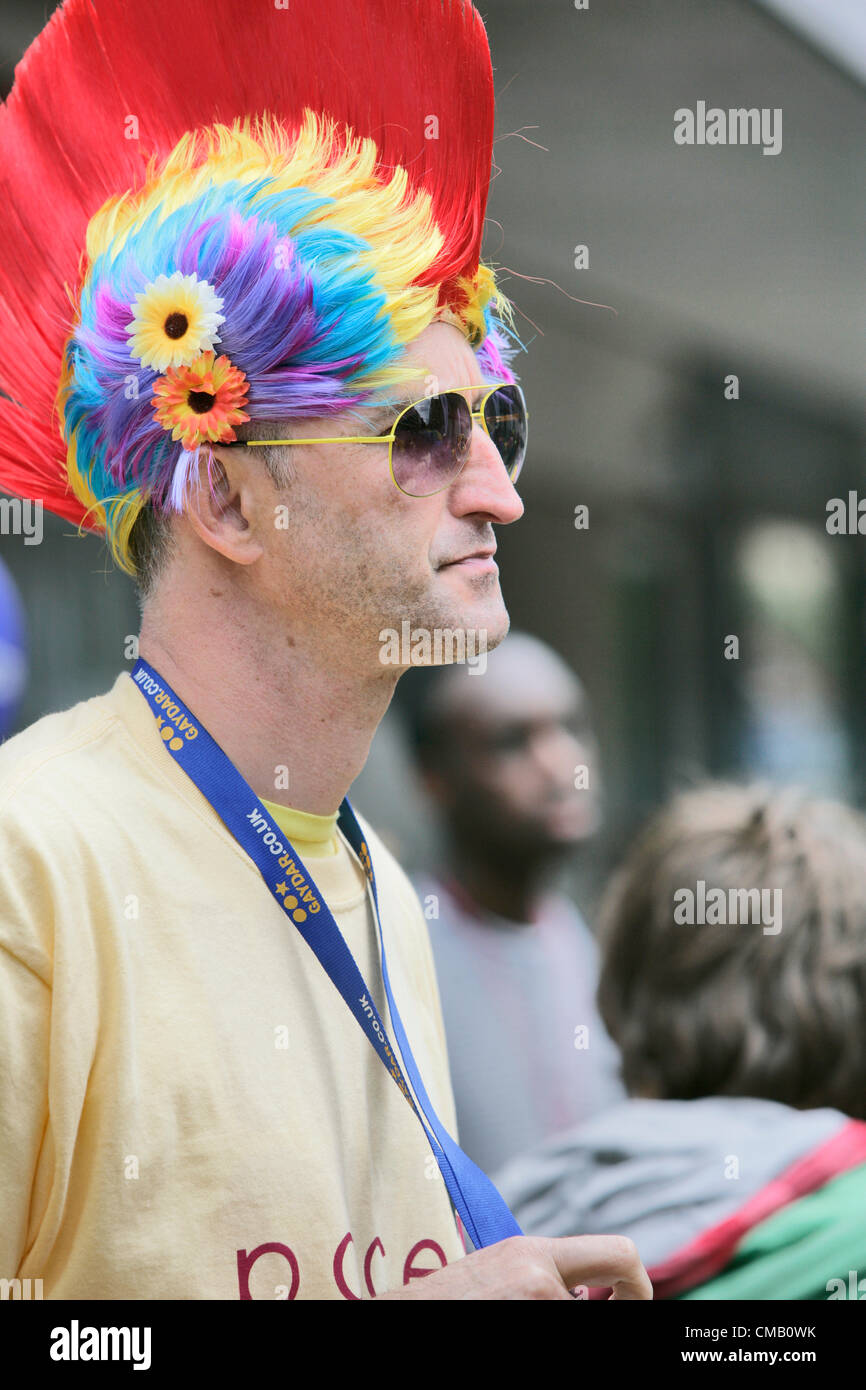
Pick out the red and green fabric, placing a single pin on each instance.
(808, 1250)
(801, 1231)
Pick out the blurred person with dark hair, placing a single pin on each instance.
(734, 981)
(510, 761)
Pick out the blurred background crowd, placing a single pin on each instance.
(665, 515)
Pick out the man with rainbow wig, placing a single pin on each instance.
(245, 333)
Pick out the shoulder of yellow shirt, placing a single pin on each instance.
(49, 740)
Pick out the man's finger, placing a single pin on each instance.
(601, 1262)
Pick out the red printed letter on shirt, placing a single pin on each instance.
(339, 1277)
(368, 1260)
(246, 1262)
(409, 1270)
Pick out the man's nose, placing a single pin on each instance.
(483, 484)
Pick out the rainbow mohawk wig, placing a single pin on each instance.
(225, 211)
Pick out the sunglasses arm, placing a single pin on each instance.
(341, 439)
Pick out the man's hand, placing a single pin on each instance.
(537, 1267)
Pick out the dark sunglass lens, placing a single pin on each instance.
(505, 417)
(431, 442)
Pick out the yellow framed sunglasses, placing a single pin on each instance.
(429, 441)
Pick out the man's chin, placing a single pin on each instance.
(453, 641)
(483, 611)
(483, 624)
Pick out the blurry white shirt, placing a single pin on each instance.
(528, 1052)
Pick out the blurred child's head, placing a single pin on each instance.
(734, 950)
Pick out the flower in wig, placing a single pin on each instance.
(175, 319)
(201, 401)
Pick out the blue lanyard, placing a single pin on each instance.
(482, 1209)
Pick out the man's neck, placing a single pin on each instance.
(290, 710)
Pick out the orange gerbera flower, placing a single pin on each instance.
(201, 401)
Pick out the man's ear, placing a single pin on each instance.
(224, 507)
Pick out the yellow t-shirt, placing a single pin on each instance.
(188, 1109)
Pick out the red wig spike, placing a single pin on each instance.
(108, 85)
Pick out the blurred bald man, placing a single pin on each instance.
(509, 760)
